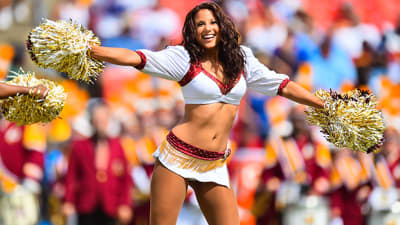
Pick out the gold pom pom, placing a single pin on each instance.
(25, 109)
(349, 120)
(64, 47)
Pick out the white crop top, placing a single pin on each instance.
(201, 87)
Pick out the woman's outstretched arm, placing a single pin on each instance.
(300, 95)
(7, 90)
(171, 63)
(119, 56)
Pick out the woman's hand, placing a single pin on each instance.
(40, 90)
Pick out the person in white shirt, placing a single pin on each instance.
(214, 71)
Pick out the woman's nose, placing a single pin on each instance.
(207, 27)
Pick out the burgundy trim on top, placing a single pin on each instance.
(282, 85)
(191, 73)
(220, 84)
(193, 151)
(195, 69)
(144, 60)
(232, 84)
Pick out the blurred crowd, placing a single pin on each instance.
(95, 161)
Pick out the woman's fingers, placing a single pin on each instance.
(40, 90)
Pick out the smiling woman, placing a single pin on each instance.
(207, 32)
(214, 71)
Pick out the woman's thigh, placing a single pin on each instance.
(217, 202)
(168, 192)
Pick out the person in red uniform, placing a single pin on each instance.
(21, 162)
(98, 184)
(21, 169)
(350, 187)
(391, 150)
(18, 159)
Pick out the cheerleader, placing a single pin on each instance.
(214, 72)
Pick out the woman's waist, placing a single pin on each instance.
(202, 138)
(178, 144)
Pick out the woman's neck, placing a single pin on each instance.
(211, 55)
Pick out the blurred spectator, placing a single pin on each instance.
(370, 63)
(285, 57)
(124, 40)
(306, 35)
(98, 185)
(284, 9)
(110, 26)
(138, 148)
(350, 182)
(151, 25)
(238, 11)
(331, 67)
(391, 150)
(264, 33)
(260, 120)
(5, 14)
(21, 169)
(297, 165)
(349, 32)
(56, 164)
(136, 5)
(17, 11)
(392, 45)
(384, 193)
(76, 10)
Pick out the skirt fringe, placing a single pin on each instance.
(169, 154)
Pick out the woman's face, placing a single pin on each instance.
(207, 29)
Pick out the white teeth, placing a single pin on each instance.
(208, 36)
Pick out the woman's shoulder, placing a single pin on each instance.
(247, 51)
(176, 47)
(178, 51)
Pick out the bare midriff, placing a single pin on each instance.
(207, 126)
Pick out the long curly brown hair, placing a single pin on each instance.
(229, 52)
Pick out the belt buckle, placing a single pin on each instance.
(226, 154)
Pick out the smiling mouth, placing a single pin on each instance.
(208, 37)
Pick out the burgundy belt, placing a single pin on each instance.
(193, 151)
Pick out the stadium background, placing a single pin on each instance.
(320, 44)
